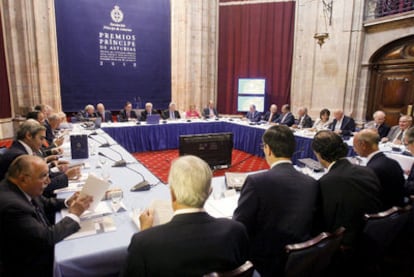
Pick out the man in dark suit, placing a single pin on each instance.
(127, 113)
(148, 111)
(347, 191)
(193, 243)
(51, 128)
(388, 171)
(88, 114)
(29, 140)
(397, 133)
(171, 112)
(342, 124)
(210, 111)
(27, 238)
(277, 206)
(378, 124)
(271, 115)
(105, 116)
(252, 115)
(286, 118)
(304, 120)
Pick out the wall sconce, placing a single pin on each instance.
(320, 37)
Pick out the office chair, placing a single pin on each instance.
(312, 257)
(245, 270)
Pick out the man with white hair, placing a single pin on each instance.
(342, 124)
(193, 243)
(378, 124)
(148, 111)
(397, 132)
(88, 114)
(171, 112)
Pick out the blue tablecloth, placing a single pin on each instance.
(247, 138)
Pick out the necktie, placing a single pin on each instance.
(270, 117)
(400, 135)
(39, 214)
(283, 118)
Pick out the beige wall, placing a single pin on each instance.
(333, 76)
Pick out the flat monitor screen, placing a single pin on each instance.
(252, 86)
(244, 102)
(216, 149)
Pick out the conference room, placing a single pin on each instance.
(219, 75)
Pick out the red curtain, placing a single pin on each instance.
(5, 109)
(255, 41)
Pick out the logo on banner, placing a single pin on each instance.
(117, 41)
(117, 15)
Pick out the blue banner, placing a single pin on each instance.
(113, 51)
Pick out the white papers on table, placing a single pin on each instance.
(223, 207)
(96, 188)
(93, 227)
(102, 209)
(163, 211)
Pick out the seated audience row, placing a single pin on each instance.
(128, 113)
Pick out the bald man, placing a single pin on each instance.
(388, 171)
(379, 124)
(27, 238)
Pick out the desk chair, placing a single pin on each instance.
(245, 270)
(312, 257)
(380, 232)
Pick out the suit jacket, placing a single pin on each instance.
(347, 126)
(189, 245)
(275, 116)
(144, 114)
(393, 133)
(57, 180)
(85, 116)
(107, 116)
(306, 122)
(206, 112)
(382, 129)
(409, 183)
(26, 243)
(123, 115)
(289, 120)
(277, 207)
(50, 136)
(392, 180)
(253, 116)
(348, 192)
(166, 114)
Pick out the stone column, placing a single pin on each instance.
(194, 44)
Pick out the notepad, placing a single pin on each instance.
(95, 187)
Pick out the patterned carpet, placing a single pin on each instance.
(159, 162)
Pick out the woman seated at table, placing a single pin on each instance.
(192, 112)
(323, 121)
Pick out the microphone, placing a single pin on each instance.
(106, 144)
(119, 163)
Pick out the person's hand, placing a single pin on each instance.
(384, 139)
(51, 158)
(73, 173)
(59, 141)
(79, 204)
(57, 151)
(63, 167)
(146, 219)
(338, 132)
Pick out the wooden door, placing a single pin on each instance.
(392, 80)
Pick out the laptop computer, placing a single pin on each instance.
(153, 119)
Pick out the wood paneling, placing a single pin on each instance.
(392, 80)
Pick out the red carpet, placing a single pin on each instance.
(159, 162)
